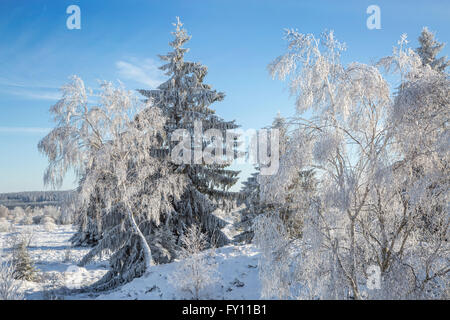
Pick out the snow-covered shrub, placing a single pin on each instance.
(194, 272)
(37, 219)
(4, 225)
(27, 220)
(271, 237)
(48, 223)
(46, 219)
(18, 214)
(53, 286)
(4, 212)
(9, 286)
(52, 212)
(68, 211)
(49, 226)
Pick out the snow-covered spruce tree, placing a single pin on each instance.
(88, 220)
(290, 207)
(362, 214)
(250, 190)
(194, 272)
(250, 199)
(21, 261)
(185, 100)
(300, 193)
(429, 49)
(249, 193)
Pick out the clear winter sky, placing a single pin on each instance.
(121, 40)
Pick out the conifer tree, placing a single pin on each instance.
(185, 99)
(286, 209)
(250, 190)
(250, 199)
(22, 262)
(429, 49)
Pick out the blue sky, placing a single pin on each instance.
(121, 40)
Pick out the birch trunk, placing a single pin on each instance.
(147, 251)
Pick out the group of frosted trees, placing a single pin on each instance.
(134, 202)
(374, 160)
(48, 216)
(359, 205)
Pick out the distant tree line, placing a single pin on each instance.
(35, 198)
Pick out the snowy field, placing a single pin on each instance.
(54, 259)
(237, 271)
(56, 262)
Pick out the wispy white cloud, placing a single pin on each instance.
(145, 72)
(37, 94)
(29, 91)
(24, 130)
(12, 83)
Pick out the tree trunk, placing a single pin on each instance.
(353, 276)
(147, 251)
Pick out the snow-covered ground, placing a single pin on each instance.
(231, 218)
(237, 271)
(57, 261)
(54, 259)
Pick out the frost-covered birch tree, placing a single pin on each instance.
(78, 135)
(366, 211)
(108, 148)
(420, 117)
